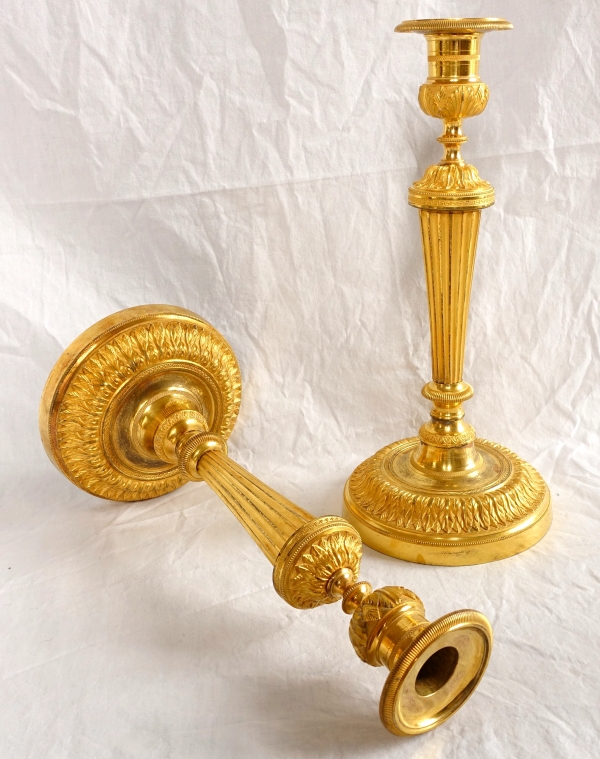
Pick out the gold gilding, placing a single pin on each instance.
(446, 496)
(144, 401)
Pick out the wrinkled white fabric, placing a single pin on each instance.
(250, 161)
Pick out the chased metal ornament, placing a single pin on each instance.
(128, 358)
(446, 496)
(143, 402)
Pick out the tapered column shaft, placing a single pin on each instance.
(269, 517)
(449, 245)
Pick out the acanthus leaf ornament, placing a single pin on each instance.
(452, 102)
(144, 400)
(446, 496)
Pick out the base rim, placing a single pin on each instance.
(129, 349)
(476, 546)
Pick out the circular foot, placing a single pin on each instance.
(434, 677)
(501, 509)
(95, 404)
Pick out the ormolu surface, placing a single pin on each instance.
(311, 557)
(445, 497)
(412, 702)
(487, 515)
(143, 402)
(94, 400)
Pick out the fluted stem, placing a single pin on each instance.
(449, 245)
(269, 517)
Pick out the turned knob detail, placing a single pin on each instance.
(145, 401)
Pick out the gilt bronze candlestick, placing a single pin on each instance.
(144, 401)
(447, 497)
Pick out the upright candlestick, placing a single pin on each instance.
(447, 497)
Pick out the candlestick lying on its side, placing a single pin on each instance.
(145, 400)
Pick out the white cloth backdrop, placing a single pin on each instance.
(250, 161)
